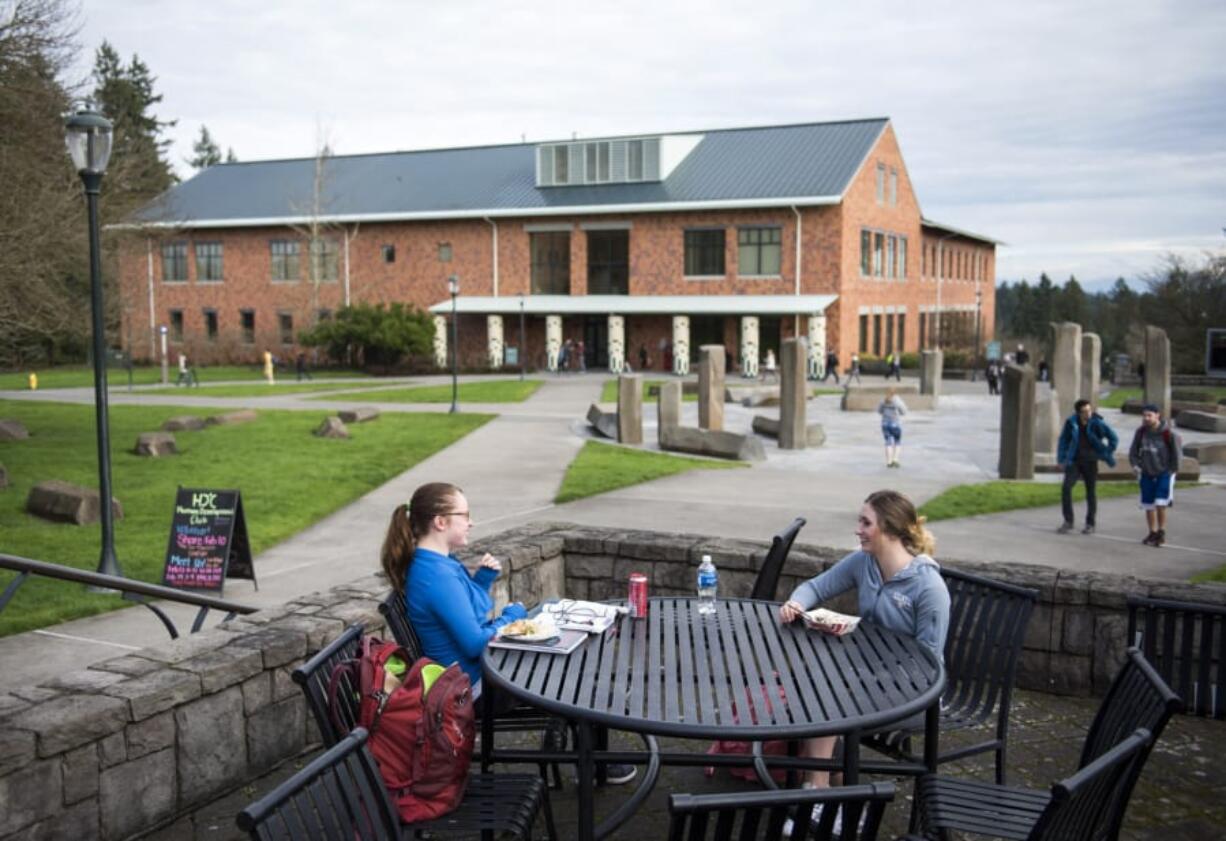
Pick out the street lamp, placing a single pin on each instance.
(88, 137)
(453, 286)
(978, 326)
(523, 349)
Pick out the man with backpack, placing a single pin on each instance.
(1154, 456)
(1084, 440)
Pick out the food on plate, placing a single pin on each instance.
(830, 622)
(520, 628)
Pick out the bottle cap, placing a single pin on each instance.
(706, 559)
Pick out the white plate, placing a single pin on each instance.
(545, 630)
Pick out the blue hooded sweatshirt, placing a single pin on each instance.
(914, 602)
(1100, 433)
(450, 611)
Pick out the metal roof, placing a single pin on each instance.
(637, 304)
(770, 166)
(950, 229)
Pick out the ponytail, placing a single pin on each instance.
(919, 540)
(897, 517)
(410, 522)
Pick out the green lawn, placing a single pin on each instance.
(80, 376)
(488, 391)
(288, 477)
(1116, 398)
(1218, 575)
(608, 394)
(603, 467)
(991, 497)
(259, 389)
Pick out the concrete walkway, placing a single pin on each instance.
(511, 469)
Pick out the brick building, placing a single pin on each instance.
(643, 246)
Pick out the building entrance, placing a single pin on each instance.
(596, 341)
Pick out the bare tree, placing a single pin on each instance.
(323, 256)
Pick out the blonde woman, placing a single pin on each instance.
(891, 410)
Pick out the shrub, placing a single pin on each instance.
(377, 336)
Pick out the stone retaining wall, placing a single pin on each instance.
(136, 744)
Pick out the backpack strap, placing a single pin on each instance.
(340, 670)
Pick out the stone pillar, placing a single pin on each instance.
(932, 365)
(493, 332)
(440, 341)
(553, 341)
(817, 345)
(681, 345)
(1091, 366)
(1047, 420)
(793, 394)
(617, 344)
(711, 387)
(1065, 364)
(749, 347)
(1158, 369)
(630, 409)
(1017, 423)
(669, 414)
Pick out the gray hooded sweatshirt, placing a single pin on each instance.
(914, 602)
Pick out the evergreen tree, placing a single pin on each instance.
(231, 158)
(1070, 304)
(206, 153)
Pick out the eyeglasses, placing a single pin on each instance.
(465, 514)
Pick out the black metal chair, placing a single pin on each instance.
(1186, 643)
(339, 796)
(491, 801)
(987, 625)
(1091, 803)
(749, 816)
(767, 582)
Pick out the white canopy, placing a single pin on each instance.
(638, 304)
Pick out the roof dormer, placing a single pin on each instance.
(626, 160)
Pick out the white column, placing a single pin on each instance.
(493, 332)
(681, 345)
(817, 345)
(553, 341)
(440, 341)
(617, 344)
(749, 346)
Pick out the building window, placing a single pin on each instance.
(864, 334)
(174, 262)
(389, 254)
(902, 332)
(704, 252)
(176, 325)
(634, 160)
(876, 334)
(902, 257)
(889, 332)
(561, 165)
(596, 156)
(210, 325)
(893, 187)
(890, 243)
(550, 262)
(923, 336)
(878, 254)
(323, 315)
(285, 326)
(866, 252)
(284, 255)
(208, 261)
(608, 262)
(247, 318)
(444, 252)
(759, 251)
(325, 258)
(880, 183)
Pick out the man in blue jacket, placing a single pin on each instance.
(1084, 440)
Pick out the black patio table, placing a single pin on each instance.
(740, 674)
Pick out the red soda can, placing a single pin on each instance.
(638, 595)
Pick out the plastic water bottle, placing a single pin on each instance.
(708, 584)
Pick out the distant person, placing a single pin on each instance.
(891, 410)
(832, 367)
(581, 356)
(1085, 439)
(300, 367)
(187, 376)
(268, 368)
(993, 377)
(644, 359)
(854, 371)
(769, 366)
(893, 366)
(1022, 357)
(1141, 374)
(1044, 370)
(1154, 456)
(564, 356)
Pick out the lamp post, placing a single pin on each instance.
(978, 326)
(88, 137)
(453, 286)
(523, 349)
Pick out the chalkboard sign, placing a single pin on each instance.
(208, 540)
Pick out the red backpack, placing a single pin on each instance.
(421, 740)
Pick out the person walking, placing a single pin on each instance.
(1022, 357)
(300, 367)
(642, 357)
(268, 368)
(581, 355)
(564, 357)
(891, 410)
(1154, 456)
(832, 367)
(1084, 440)
(993, 377)
(854, 371)
(894, 366)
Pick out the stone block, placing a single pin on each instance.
(77, 821)
(719, 444)
(682, 577)
(1047, 419)
(553, 579)
(582, 541)
(1065, 361)
(1158, 369)
(1091, 366)
(1110, 632)
(362, 611)
(113, 750)
(186, 647)
(87, 680)
(320, 630)
(752, 396)
(867, 397)
(602, 420)
(80, 774)
(1069, 674)
(604, 589)
(669, 408)
(13, 430)
(1206, 453)
(1201, 421)
(522, 556)
(151, 735)
(257, 693)
(331, 427)
(283, 685)
(362, 414)
(815, 434)
(138, 794)
(212, 745)
(16, 749)
(653, 546)
(725, 554)
(223, 667)
(31, 795)
(156, 692)
(1017, 423)
(589, 566)
(1045, 629)
(630, 409)
(1189, 469)
(182, 423)
(1078, 637)
(932, 367)
(711, 387)
(793, 396)
(70, 721)
(276, 733)
(232, 418)
(155, 444)
(129, 664)
(280, 646)
(577, 588)
(65, 502)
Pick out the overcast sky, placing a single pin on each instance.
(1089, 136)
